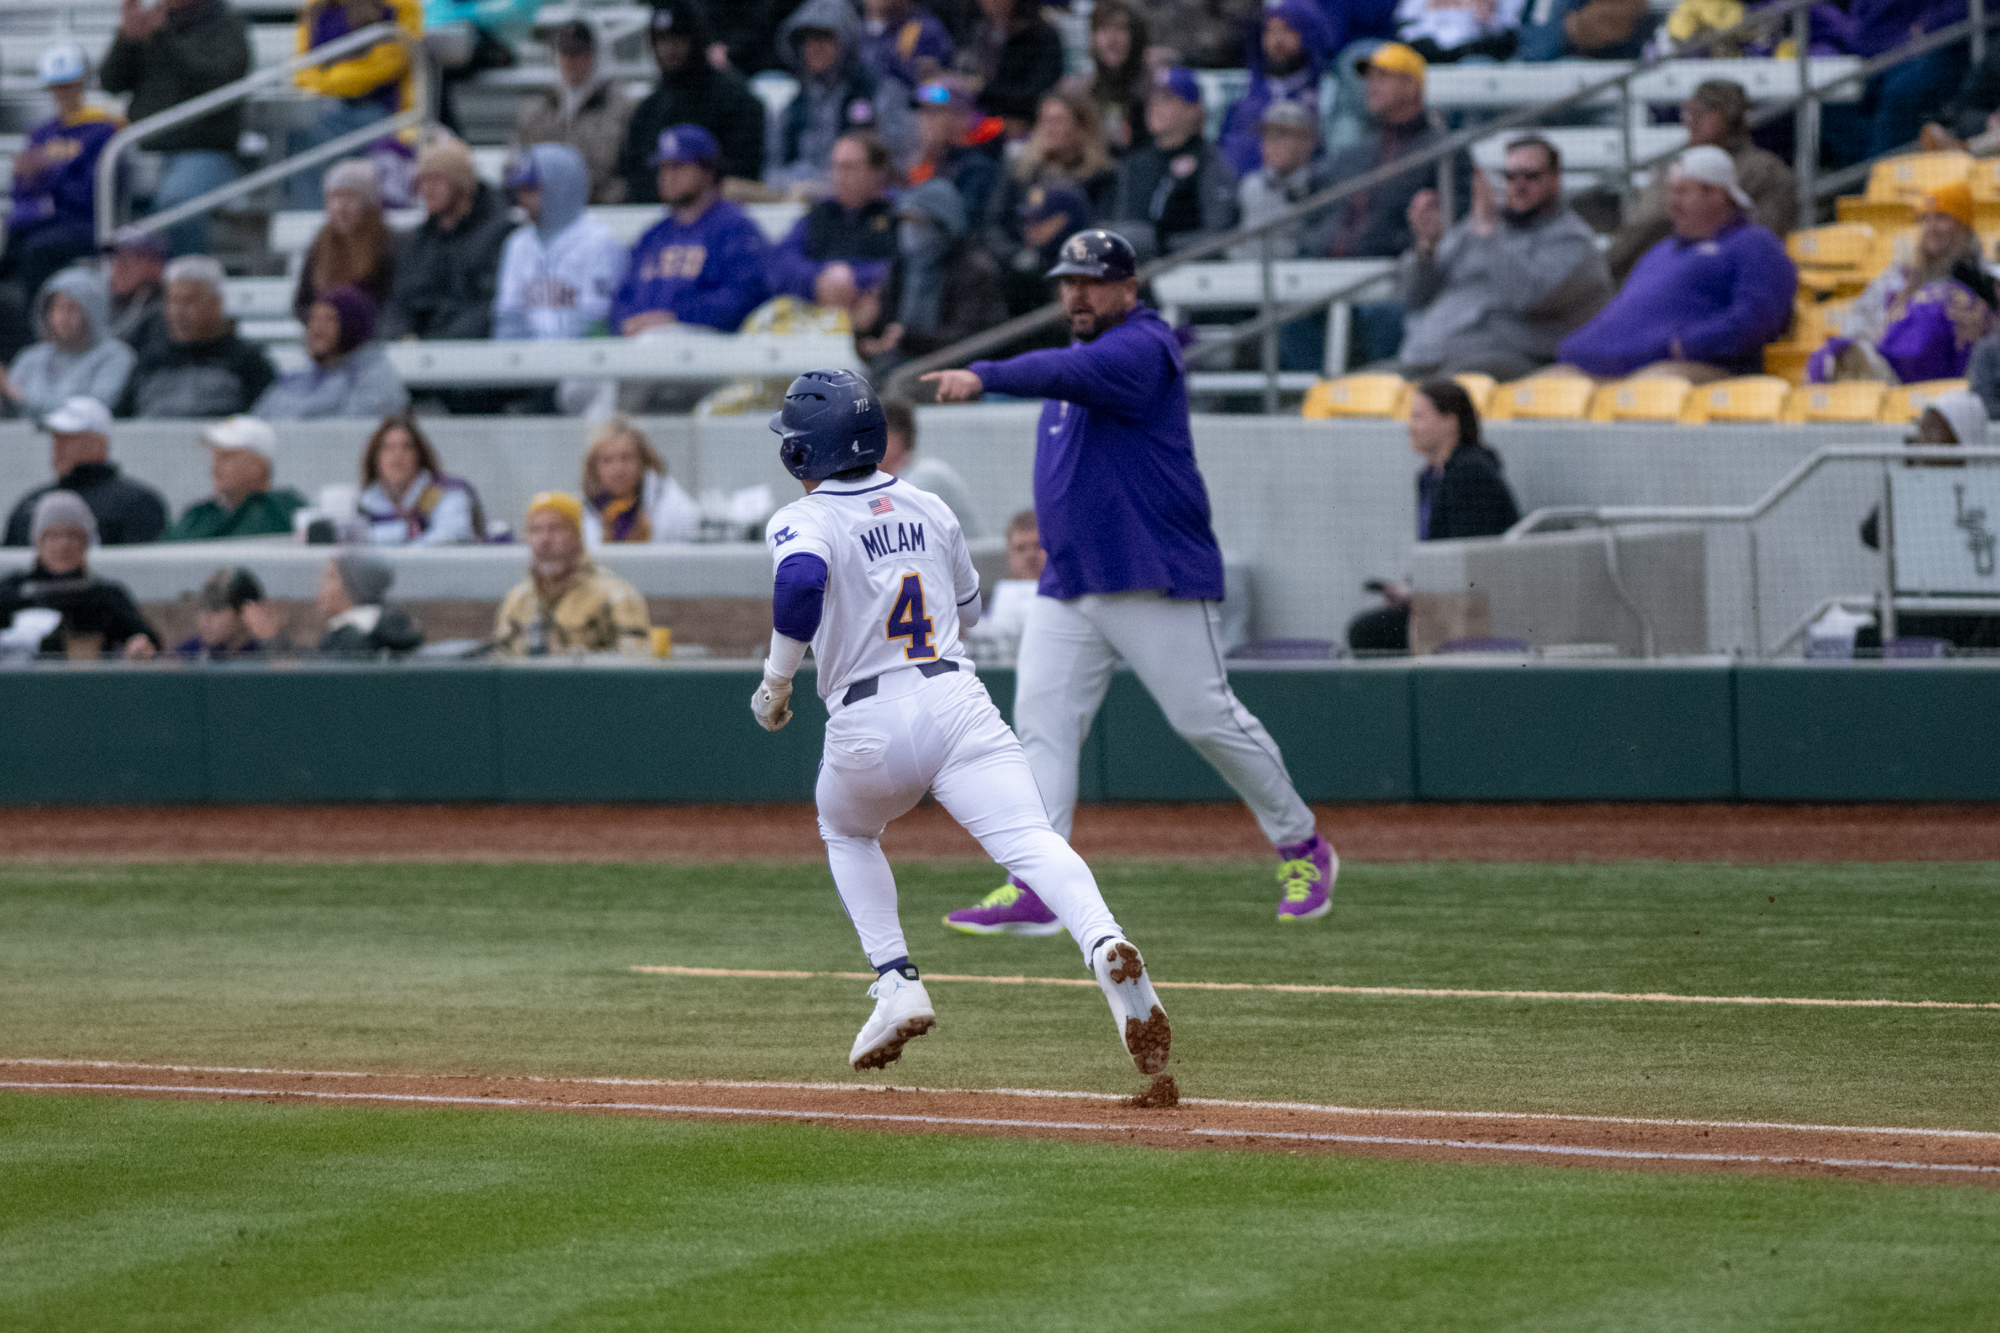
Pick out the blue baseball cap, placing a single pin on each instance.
(687, 143)
(1179, 81)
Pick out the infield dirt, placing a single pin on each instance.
(1192, 831)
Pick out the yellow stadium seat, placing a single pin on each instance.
(1848, 245)
(1543, 398)
(1787, 362)
(1745, 398)
(1356, 396)
(1906, 402)
(1914, 175)
(1648, 398)
(1875, 212)
(1479, 388)
(1986, 215)
(1847, 401)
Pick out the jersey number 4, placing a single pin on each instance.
(908, 621)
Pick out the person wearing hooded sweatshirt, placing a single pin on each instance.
(837, 95)
(349, 375)
(75, 356)
(561, 268)
(703, 263)
(1286, 57)
(587, 109)
(941, 288)
(690, 92)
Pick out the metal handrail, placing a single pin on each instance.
(195, 108)
(904, 377)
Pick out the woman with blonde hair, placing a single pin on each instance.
(354, 245)
(628, 496)
(1066, 149)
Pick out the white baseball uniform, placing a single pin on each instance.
(906, 712)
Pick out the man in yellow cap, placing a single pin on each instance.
(1919, 319)
(567, 604)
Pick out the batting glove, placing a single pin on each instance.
(771, 704)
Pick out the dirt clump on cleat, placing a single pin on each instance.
(1149, 1042)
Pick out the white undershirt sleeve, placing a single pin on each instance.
(786, 654)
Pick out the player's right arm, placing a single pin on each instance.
(798, 598)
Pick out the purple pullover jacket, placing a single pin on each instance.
(1723, 298)
(710, 272)
(1121, 504)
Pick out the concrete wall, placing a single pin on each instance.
(1310, 508)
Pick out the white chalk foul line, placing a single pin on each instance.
(1430, 992)
(1034, 1094)
(995, 1122)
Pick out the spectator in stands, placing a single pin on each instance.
(200, 368)
(1460, 493)
(1586, 30)
(561, 267)
(97, 614)
(1970, 121)
(1496, 294)
(173, 52)
(231, 618)
(1178, 188)
(1894, 103)
(359, 623)
(1716, 113)
(465, 38)
(942, 288)
(1918, 320)
(845, 243)
(53, 221)
(837, 95)
(1018, 58)
(691, 91)
(586, 110)
(703, 263)
(243, 505)
(350, 375)
(1375, 222)
(1119, 80)
(1444, 31)
(357, 89)
(903, 41)
(138, 295)
(956, 143)
(1287, 55)
(628, 496)
(1049, 215)
(1702, 303)
(1210, 34)
(354, 246)
(80, 456)
(448, 270)
(1006, 615)
(76, 356)
(567, 604)
(926, 474)
(407, 498)
(1287, 177)
(1065, 149)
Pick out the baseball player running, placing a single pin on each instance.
(1133, 573)
(875, 575)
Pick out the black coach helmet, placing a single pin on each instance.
(832, 421)
(1096, 253)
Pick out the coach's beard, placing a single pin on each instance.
(1085, 326)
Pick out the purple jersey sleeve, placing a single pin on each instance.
(798, 596)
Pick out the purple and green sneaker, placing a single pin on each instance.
(1307, 877)
(1011, 909)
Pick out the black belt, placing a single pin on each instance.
(865, 689)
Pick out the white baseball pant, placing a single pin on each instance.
(941, 734)
(1068, 651)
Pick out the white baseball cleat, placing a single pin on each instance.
(1135, 1009)
(902, 1012)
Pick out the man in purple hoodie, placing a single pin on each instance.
(1286, 57)
(1133, 574)
(1703, 302)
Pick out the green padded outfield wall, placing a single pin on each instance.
(1367, 732)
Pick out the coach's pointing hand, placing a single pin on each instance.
(772, 702)
(955, 386)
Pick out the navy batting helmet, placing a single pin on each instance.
(832, 421)
(1096, 253)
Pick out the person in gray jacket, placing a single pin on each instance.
(1496, 293)
(76, 356)
(821, 43)
(349, 377)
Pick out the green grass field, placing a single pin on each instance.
(130, 1214)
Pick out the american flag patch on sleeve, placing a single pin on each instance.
(881, 504)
